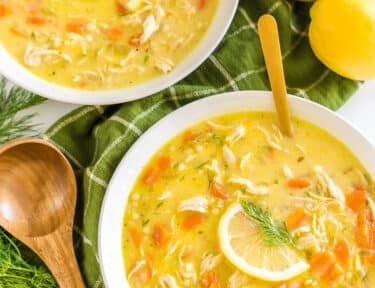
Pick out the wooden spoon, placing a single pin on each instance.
(37, 202)
(269, 38)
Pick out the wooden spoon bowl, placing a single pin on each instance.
(37, 202)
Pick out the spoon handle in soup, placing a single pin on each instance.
(57, 252)
(269, 38)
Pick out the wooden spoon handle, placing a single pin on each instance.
(57, 252)
(269, 38)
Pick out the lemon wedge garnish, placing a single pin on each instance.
(341, 35)
(243, 245)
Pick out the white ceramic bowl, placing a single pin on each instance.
(123, 180)
(14, 71)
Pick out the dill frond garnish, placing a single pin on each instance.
(274, 232)
(13, 100)
(16, 272)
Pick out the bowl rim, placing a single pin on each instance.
(17, 73)
(111, 215)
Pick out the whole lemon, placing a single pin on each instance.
(342, 36)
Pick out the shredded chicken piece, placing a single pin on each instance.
(163, 64)
(187, 273)
(371, 205)
(131, 55)
(159, 13)
(301, 230)
(199, 204)
(358, 265)
(172, 248)
(249, 186)
(165, 195)
(270, 140)
(189, 7)
(237, 134)
(34, 55)
(149, 27)
(245, 162)
(327, 182)
(126, 69)
(209, 262)
(186, 250)
(287, 171)
(220, 127)
(228, 156)
(136, 268)
(308, 242)
(237, 279)
(168, 281)
(79, 40)
(213, 167)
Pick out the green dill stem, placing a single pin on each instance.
(274, 233)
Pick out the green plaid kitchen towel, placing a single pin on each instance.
(96, 138)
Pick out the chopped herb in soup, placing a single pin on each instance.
(102, 44)
(230, 202)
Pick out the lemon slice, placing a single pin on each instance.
(243, 245)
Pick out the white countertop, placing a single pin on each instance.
(359, 110)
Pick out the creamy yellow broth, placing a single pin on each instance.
(102, 44)
(162, 248)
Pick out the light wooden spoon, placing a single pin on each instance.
(269, 38)
(37, 202)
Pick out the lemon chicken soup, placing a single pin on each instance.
(230, 202)
(102, 44)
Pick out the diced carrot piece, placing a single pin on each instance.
(151, 175)
(4, 10)
(135, 235)
(18, 32)
(192, 220)
(298, 183)
(296, 218)
(210, 280)
(219, 191)
(121, 8)
(114, 33)
(324, 265)
(201, 4)
(76, 26)
(164, 162)
(188, 136)
(332, 273)
(356, 200)
(368, 259)
(36, 19)
(162, 234)
(342, 252)
(135, 40)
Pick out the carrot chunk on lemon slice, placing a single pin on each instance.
(242, 244)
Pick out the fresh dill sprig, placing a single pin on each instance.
(274, 232)
(13, 100)
(16, 272)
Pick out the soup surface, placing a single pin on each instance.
(304, 206)
(102, 44)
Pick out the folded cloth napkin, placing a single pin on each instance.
(95, 138)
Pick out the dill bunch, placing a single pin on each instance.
(16, 271)
(13, 100)
(274, 232)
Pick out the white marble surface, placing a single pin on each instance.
(359, 110)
